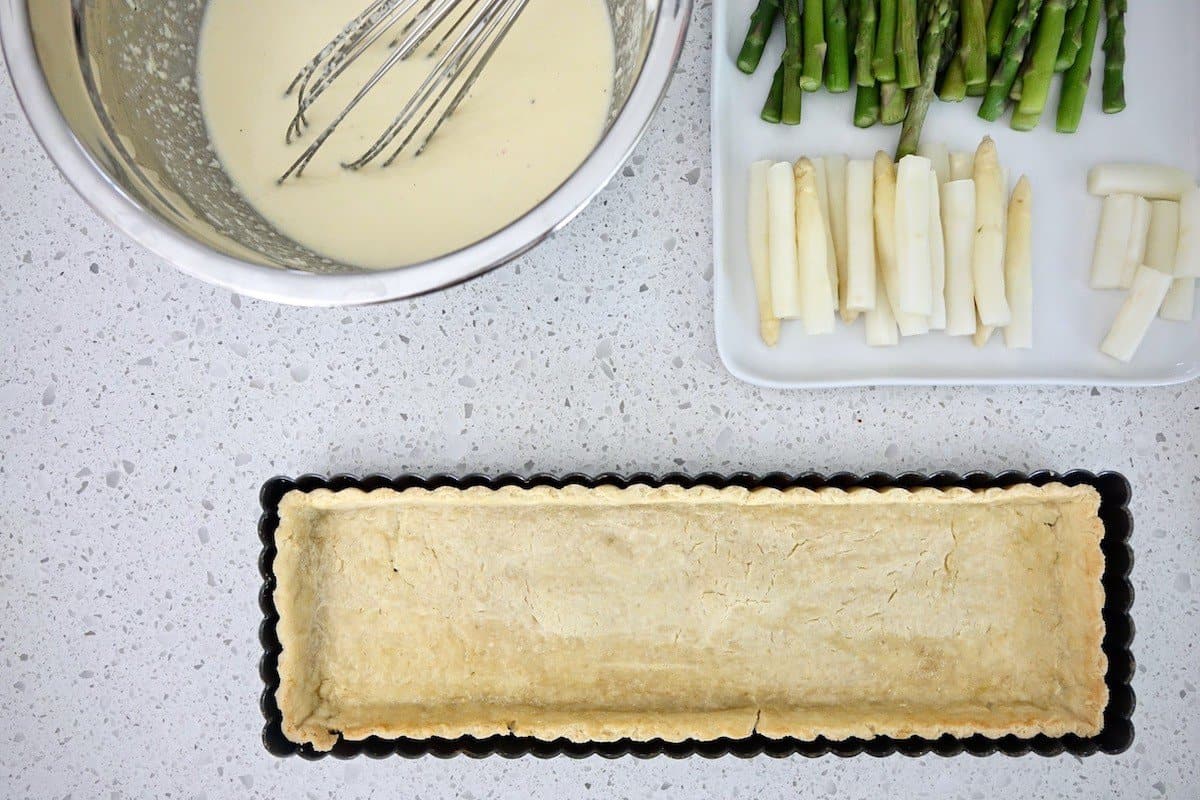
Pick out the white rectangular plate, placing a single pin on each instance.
(1162, 124)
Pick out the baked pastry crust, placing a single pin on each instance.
(672, 613)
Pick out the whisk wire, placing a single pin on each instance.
(474, 35)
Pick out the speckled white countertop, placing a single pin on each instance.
(140, 411)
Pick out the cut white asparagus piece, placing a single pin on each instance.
(937, 256)
(760, 252)
(1112, 240)
(831, 249)
(1018, 267)
(939, 159)
(1152, 181)
(1146, 295)
(1162, 238)
(958, 224)
(860, 237)
(1180, 302)
(988, 257)
(1187, 259)
(913, 255)
(835, 177)
(880, 323)
(982, 333)
(1135, 248)
(781, 241)
(962, 166)
(811, 252)
(885, 244)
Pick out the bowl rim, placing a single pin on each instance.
(296, 287)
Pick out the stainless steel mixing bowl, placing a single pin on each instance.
(109, 86)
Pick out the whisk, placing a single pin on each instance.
(470, 32)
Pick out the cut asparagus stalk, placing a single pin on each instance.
(811, 244)
(958, 225)
(814, 45)
(908, 62)
(973, 43)
(885, 244)
(939, 159)
(895, 104)
(1113, 92)
(781, 241)
(772, 110)
(835, 176)
(1079, 75)
(1135, 247)
(864, 42)
(791, 105)
(1180, 302)
(880, 322)
(1015, 45)
(982, 334)
(962, 168)
(760, 252)
(866, 106)
(860, 237)
(1151, 181)
(1018, 266)
(1073, 36)
(998, 26)
(913, 254)
(988, 258)
(883, 61)
(1112, 241)
(837, 57)
(822, 179)
(1150, 287)
(1043, 57)
(761, 21)
(1187, 258)
(1162, 249)
(937, 256)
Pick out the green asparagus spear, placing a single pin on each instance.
(1075, 81)
(973, 45)
(1072, 36)
(980, 89)
(772, 110)
(883, 63)
(998, 26)
(1036, 82)
(866, 106)
(1010, 61)
(895, 104)
(1018, 89)
(908, 55)
(1114, 57)
(837, 59)
(762, 20)
(864, 41)
(792, 63)
(942, 16)
(954, 83)
(814, 45)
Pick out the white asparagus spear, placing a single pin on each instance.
(958, 224)
(760, 253)
(913, 256)
(939, 159)
(781, 241)
(885, 244)
(1135, 248)
(1152, 181)
(1018, 267)
(962, 166)
(1112, 240)
(1187, 259)
(1180, 302)
(1128, 330)
(880, 322)
(835, 176)
(831, 249)
(988, 257)
(811, 251)
(860, 237)
(937, 256)
(982, 333)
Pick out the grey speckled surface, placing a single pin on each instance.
(140, 411)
